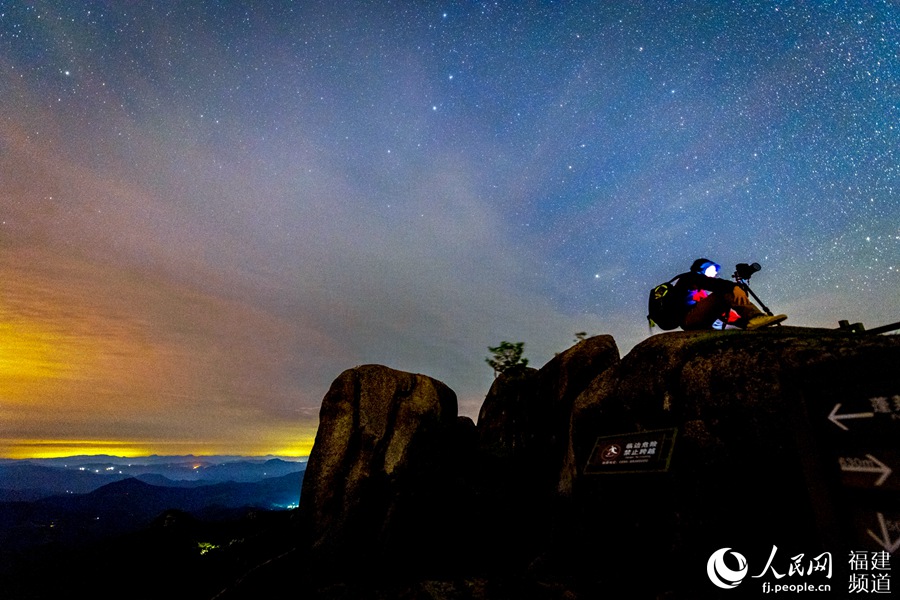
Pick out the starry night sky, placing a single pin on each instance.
(208, 210)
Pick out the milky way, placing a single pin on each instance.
(208, 210)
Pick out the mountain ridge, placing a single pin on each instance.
(31, 479)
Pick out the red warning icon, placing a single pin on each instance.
(611, 452)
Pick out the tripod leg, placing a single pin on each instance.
(765, 308)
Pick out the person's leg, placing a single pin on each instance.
(750, 316)
(740, 303)
(706, 311)
(720, 306)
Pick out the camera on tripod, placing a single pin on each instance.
(743, 271)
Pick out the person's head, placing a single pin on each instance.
(704, 266)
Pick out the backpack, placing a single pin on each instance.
(665, 307)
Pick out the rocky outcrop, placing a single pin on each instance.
(377, 488)
(522, 436)
(754, 455)
(526, 412)
(595, 473)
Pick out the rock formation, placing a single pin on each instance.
(594, 473)
(377, 489)
(754, 459)
(523, 430)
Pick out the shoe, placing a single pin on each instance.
(761, 321)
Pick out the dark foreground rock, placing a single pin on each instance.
(380, 477)
(757, 460)
(598, 477)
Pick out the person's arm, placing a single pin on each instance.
(722, 286)
(695, 281)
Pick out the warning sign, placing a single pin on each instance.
(641, 451)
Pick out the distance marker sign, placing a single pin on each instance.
(855, 415)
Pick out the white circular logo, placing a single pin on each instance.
(720, 574)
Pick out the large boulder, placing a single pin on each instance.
(525, 415)
(505, 419)
(522, 432)
(377, 489)
(699, 441)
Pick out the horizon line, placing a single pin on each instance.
(155, 455)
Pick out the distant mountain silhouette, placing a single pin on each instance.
(131, 503)
(25, 481)
(28, 480)
(163, 481)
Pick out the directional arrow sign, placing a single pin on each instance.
(836, 418)
(885, 537)
(872, 465)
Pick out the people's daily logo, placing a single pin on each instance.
(721, 574)
(870, 571)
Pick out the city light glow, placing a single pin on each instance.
(60, 448)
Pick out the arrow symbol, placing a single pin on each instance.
(860, 466)
(836, 419)
(885, 540)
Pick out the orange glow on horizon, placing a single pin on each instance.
(37, 449)
(84, 372)
(22, 449)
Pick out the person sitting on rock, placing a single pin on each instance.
(713, 303)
